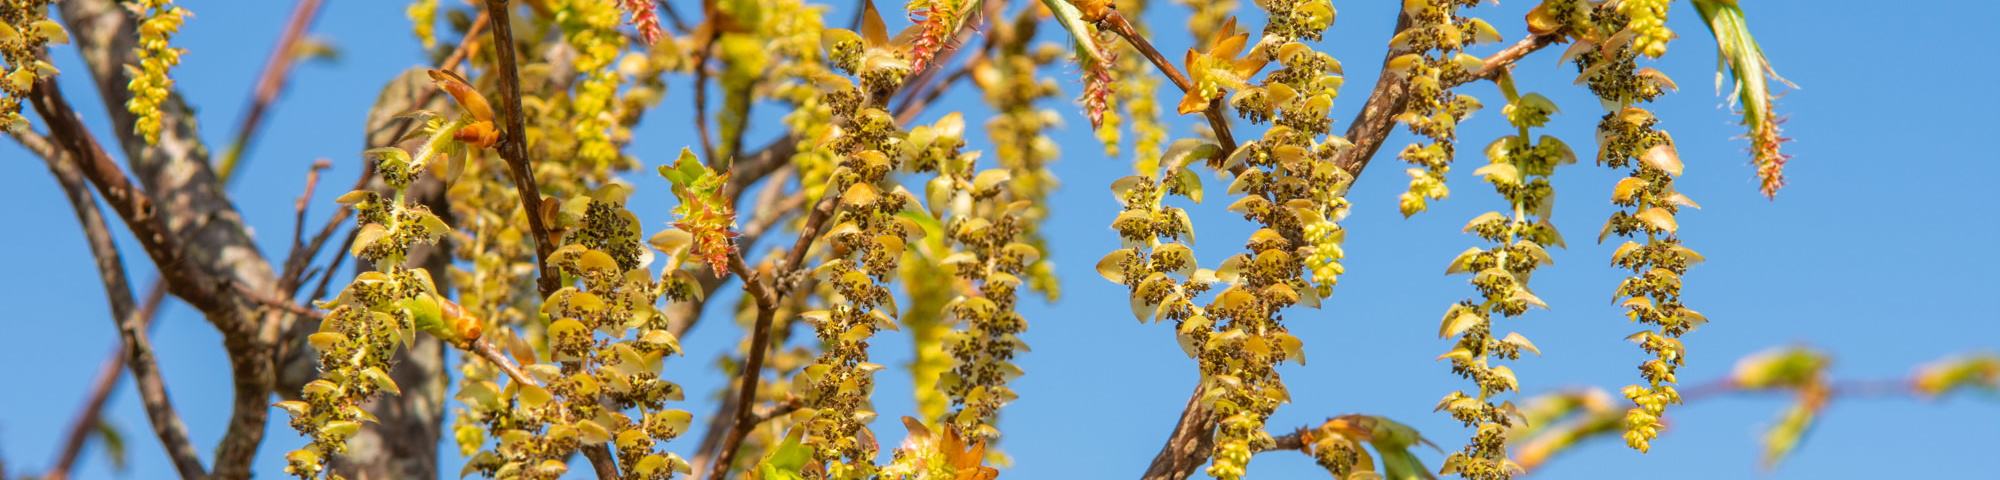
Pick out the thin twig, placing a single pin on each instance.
(340, 216)
(1217, 121)
(272, 81)
(485, 349)
(1377, 118)
(701, 89)
(673, 16)
(89, 417)
(277, 303)
(295, 263)
(327, 279)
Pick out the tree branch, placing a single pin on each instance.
(131, 323)
(1377, 118)
(708, 33)
(1189, 444)
(515, 151)
(193, 209)
(515, 147)
(140, 214)
(272, 81)
(1187, 448)
(1217, 120)
(753, 363)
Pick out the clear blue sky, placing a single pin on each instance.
(1879, 252)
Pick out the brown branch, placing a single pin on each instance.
(295, 278)
(753, 363)
(140, 214)
(277, 303)
(277, 70)
(779, 207)
(464, 51)
(88, 417)
(135, 349)
(297, 262)
(750, 169)
(673, 16)
(1189, 444)
(485, 349)
(1217, 120)
(710, 31)
(1377, 118)
(514, 148)
(515, 151)
(766, 161)
(712, 438)
(107, 382)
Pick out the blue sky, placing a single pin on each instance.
(1878, 252)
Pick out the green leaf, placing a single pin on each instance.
(114, 444)
(786, 461)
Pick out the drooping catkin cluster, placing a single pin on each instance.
(1436, 38)
(1134, 93)
(1294, 191)
(1519, 171)
(591, 29)
(423, 20)
(1012, 84)
(583, 394)
(376, 313)
(160, 20)
(25, 29)
(982, 225)
(867, 238)
(1627, 139)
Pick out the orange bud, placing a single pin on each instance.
(480, 133)
(468, 328)
(462, 91)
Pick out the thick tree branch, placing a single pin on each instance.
(1189, 444)
(131, 322)
(1377, 118)
(140, 214)
(195, 211)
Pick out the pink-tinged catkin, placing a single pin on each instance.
(1764, 144)
(1097, 88)
(644, 17)
(936, 18)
